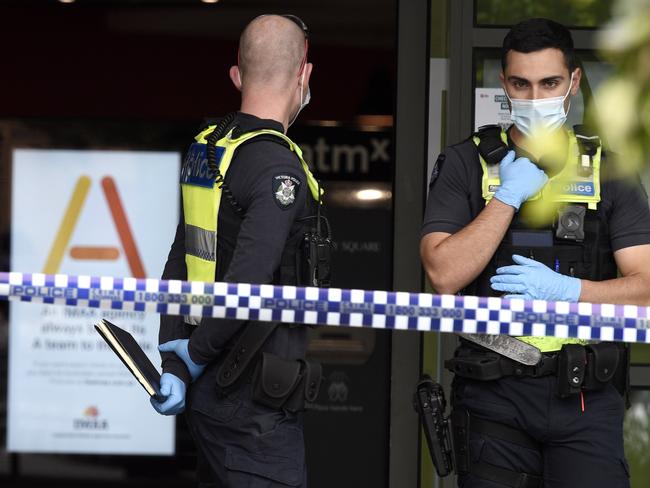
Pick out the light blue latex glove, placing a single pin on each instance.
(520, 180)
(173, 388)
(531, 280)
(180, 347)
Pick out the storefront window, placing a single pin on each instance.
(588, 14)
(487, 66)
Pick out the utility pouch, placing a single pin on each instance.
(283, 383)
(621, 379)
(429, 403)
(571, 369)
(603, 359)
(313, 377)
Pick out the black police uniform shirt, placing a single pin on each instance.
(249, 248)
(455, 200)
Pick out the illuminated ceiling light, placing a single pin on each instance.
(374, 120)
(210, 1)
(66, 1)
(371, 194)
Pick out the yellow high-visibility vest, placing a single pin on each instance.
(572, 189)
(202, 197)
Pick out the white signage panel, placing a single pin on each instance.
(102, 213)
(491, 107)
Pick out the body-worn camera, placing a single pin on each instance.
(571, 223)
(429, 403)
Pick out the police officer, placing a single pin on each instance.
(248, 201)
(556, 423)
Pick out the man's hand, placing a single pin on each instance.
(180, 347)
(532, 280)
(520, 180)
(173, 389)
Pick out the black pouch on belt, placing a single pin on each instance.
(621, 379)
(602, 362)
(283, 383)
(571, 368)
(480, 366)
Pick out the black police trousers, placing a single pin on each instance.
(240, 443)
(576, 448)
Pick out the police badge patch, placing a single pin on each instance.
(435, 171)
(285, 190)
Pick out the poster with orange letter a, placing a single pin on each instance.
(98, 213)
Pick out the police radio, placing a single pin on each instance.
(316, 251)
(429, 403)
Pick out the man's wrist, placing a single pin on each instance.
(496, 201)
(508, 199)
(178, 368)
(574, 289)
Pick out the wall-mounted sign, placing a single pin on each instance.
(491, 107)
(106, 213)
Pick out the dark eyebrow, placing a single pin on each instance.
(553, 79)
(518, 78)
(549, 79)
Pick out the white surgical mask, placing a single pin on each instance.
(303, 101)
(545, 114)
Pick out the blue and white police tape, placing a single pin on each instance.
(335, 307)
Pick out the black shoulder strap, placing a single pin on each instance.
(237, 132)
(220, 130)
(588, 144)
(491, 148)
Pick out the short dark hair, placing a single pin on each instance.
(536, 34)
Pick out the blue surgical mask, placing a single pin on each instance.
(545, 114)
(304, 101)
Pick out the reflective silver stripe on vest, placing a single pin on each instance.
(200, 242)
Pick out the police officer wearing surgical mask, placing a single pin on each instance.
(537, 411)
(249, 200)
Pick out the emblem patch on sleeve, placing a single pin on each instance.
(435, 171)
(285, 190)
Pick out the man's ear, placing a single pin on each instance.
(577, 76)
(502, 79)
(308, 69)
(235, 77)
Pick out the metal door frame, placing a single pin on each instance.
(411, 134)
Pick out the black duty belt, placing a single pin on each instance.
(576, 367)
(487, 366)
